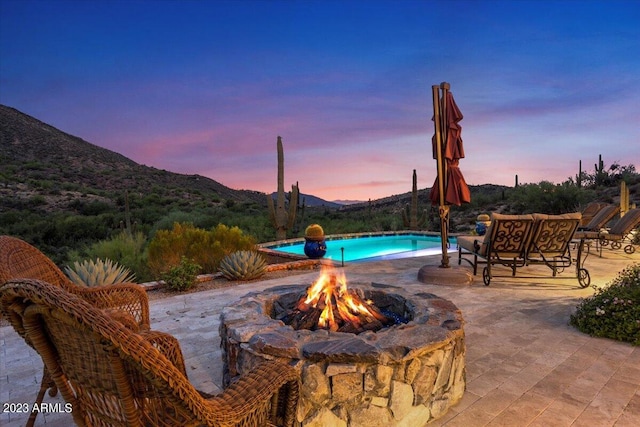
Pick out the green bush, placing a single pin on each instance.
(549, 198)
(183, 276)
(124, 248)
(205, 248)
(614, 311)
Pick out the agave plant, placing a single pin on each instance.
(98, 272)
(243, 265)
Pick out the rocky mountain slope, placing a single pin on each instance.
(39, 160)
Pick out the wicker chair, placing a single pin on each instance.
(113, 376)
(18, 259)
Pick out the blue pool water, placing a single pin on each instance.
(368, 248)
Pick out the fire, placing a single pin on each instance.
(338, 305)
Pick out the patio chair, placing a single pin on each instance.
(550, 244)
(601, 219)
(112, 376)
(18, 259)
(590, 211)
(618, 234)
(505, 243)
(517, 241)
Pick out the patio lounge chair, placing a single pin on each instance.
(112, 375)
(517, 241)
(601, 219)
(505, 242)
(590, 211)
(618, 234)
(550, 245)
(18, 259)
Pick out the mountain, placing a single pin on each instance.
(310, 200)
(39, 160)
(347, 202)
(314, 201)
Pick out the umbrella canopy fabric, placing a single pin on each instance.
(456, 189)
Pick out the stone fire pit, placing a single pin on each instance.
(403, 375)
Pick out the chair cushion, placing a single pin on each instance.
(601, 219)
(572, 215)
(628, 222)
(468, 243)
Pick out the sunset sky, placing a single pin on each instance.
(205, 87)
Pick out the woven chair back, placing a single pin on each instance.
(18, 259)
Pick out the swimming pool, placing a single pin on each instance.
(358, 248)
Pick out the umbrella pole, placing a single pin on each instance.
(443, 209)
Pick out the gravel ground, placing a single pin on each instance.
(220, 283)
(217, 283)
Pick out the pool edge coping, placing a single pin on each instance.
(266, 247)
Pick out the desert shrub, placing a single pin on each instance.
(168, 246)
(206, 248)
(613, 311)
(124, 248)
(549, 198)
(198, 218)
(37, 200)
(183, 276)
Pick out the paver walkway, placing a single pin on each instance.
(525, 365)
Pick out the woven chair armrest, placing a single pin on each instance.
(128, 297)
(260, 384)
(168, 345)
(123, 317)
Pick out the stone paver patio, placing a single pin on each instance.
(525, 365)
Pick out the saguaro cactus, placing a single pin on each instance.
(282, 219)
(300, 209)
(600, 174)
(410, 215)
(127, 226)
(579, 176)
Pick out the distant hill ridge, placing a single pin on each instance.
(25, 140)
(30, 147)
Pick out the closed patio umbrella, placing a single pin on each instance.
(449, 187)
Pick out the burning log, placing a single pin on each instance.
(329, 305)
(307, 319)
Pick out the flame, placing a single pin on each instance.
(329, 293)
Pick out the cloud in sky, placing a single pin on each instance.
(206, 86)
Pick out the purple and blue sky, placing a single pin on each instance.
(205, 87)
